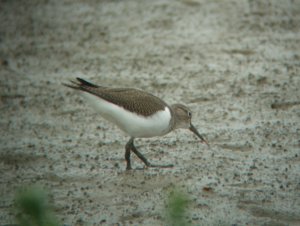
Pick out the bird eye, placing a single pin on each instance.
(190, 114)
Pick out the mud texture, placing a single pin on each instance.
(236, 64)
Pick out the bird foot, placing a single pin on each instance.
(151, 166)
(160, 166)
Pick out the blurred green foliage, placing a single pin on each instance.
(177, 206)
(33, 208)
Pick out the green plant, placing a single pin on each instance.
(33, 208)
(177, 209)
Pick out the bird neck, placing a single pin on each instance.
(174, 119)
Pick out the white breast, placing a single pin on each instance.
(133, 124)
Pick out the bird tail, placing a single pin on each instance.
(80, 84)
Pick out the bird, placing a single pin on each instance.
(136, 112)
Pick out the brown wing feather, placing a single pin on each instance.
(133, 100)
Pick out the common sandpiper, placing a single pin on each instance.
(137, 113)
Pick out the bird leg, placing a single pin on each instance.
(130, 147)
(127, 154)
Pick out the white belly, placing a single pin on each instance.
(133, 124)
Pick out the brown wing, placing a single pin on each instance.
(134, 100)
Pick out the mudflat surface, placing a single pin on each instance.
(236, 64)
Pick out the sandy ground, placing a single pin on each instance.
(236, 64)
